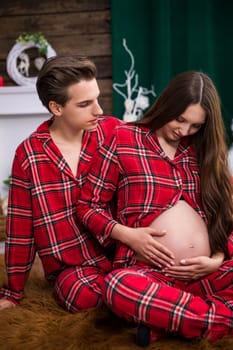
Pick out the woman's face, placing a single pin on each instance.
(188, 123)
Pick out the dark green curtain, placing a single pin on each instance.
(170, 36)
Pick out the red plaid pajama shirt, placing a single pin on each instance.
(132, 166)
(42, 218)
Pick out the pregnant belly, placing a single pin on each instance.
(186, 232)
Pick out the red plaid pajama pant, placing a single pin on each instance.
(80, 288)
(203, 308)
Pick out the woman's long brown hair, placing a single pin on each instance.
(210, 143)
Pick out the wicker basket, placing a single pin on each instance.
(2, 224)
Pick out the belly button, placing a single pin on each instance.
(191, 246)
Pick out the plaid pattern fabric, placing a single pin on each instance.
(42, 209)
(203, 308)
(133, 165)
(80, 288)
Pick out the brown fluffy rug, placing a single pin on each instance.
(39, 324)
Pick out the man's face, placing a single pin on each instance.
(82, 110)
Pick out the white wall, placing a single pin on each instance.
(21, 112)
(13, 130)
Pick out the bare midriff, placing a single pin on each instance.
(186, 232)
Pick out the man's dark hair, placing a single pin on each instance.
(58, 73)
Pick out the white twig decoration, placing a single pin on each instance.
(135, 97)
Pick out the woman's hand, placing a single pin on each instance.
(195, 268)
(141, 241)
(5, 304)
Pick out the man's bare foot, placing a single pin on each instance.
(5, 304)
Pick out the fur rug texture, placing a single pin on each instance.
(39, 324)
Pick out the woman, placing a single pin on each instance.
(170, 176)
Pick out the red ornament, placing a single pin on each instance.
(1, 81)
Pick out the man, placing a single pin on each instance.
(48, 172)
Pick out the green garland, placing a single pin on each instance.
(37, 38)
(7, 181)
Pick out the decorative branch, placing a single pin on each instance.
(134, 105)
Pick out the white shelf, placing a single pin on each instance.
(20, 100)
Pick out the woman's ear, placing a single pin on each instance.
(55, 108)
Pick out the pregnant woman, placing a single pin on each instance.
(173, 267)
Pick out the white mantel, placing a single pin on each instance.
(20, 100)
(20, 113)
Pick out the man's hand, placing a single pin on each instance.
(5, 304)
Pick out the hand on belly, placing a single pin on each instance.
(187, 234)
